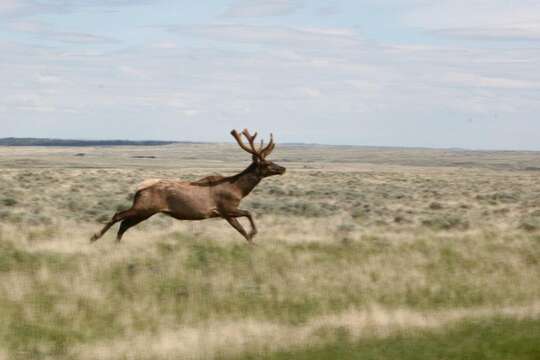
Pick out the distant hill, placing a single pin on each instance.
(67, 142)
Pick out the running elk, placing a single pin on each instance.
(210, 197)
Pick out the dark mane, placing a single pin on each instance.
(209, 180)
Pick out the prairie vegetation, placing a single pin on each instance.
(388, 253)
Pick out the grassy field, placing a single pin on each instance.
(363, 253)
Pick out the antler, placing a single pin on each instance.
(269, 148)
(250, 138)
(261, 152)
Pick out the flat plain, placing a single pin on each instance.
(362, 253)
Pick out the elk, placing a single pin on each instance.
(209, 197)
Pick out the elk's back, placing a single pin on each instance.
(178, 199)
(146, 184)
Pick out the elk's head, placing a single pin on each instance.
(263, 167)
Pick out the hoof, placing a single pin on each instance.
(94, 238)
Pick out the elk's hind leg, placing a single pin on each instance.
(119, 216)
(130, 222)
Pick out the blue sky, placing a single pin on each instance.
(448, 73)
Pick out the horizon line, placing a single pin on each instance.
(141, 142)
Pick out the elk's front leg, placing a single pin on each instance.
(247, 214)
(231, 216)
(236, 224)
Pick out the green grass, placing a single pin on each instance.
(496, 339)
(189, 281)
(13, 259)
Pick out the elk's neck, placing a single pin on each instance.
(247, 180)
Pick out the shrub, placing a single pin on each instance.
(294, 207)
(309, 209)
(435, 206)
(399, 219)
(346, 228)
(38, 219)
(536, 213)
(446, 222)
(9, 202)
(360, 211)
(530, 223)
(502, 197)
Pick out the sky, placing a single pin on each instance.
(416, 73)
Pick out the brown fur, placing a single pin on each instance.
(208, 180)
(209, 197)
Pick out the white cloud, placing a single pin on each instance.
(260, 8)
(78, 38)
(47, 32)
(308, 92)
(328, 9)
(479, 19)
(510, 32)
(475, 80)
(166, 45)
(132, 71)
(190, 112)
(24, 8)
(10, 5)
(27, 26)
(277, 35)
(48, 79)
(27, 102)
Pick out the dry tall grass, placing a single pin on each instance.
(367, 248)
